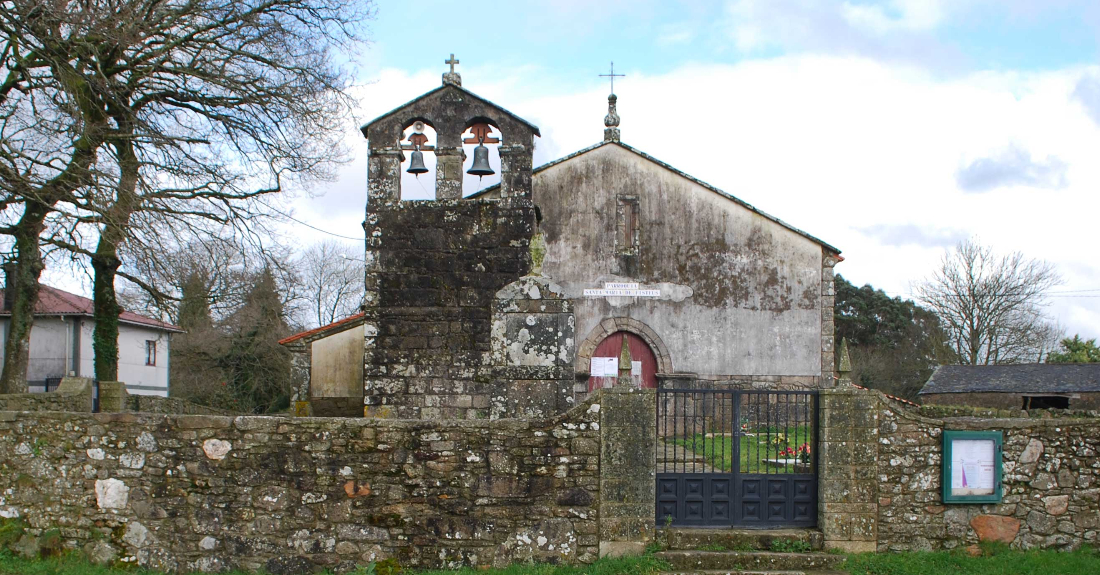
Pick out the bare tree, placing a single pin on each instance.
(222, 268)
(992, 307)
(331, 281)
(126, 118)
(218, 267)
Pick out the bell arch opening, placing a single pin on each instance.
(418, 172)
(481, 152)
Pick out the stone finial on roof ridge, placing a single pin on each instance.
(611, 131)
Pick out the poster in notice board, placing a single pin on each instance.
(972, 466)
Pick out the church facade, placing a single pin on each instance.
(606, 267)
(727, 294)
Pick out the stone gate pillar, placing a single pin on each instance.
(628, 470)
(847, 469)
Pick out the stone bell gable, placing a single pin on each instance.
(450, 110)
(454, 324)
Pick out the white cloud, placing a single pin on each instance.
(897, 15)
(900, 30)
(913, 234)
(1087, 93)
(673, 34)
(1013, 166)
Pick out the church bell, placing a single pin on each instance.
(416, 164)
(481, 162)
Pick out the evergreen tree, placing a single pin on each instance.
(195, 372)
(194, 309)
(258, 369)
(894, 343)
(1075, 350)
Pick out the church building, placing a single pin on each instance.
(605, 267)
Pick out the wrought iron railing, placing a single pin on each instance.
(718, 430)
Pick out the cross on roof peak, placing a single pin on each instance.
(612, 75)
(452, 77)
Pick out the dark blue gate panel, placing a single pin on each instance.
(698, 499)
(776, 500)
(728, 457)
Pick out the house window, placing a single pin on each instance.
(150, 352)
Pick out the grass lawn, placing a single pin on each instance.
(994, 562)
(643, 565)
(756, 447)
(74, 565)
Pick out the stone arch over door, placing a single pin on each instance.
(614, 324)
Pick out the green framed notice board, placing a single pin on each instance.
(972, 466)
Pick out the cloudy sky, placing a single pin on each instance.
(891, 129)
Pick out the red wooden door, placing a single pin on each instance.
(611, 347)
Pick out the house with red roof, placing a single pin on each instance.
(61, 344)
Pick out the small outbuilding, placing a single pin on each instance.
(1025, 386)
(328, 364)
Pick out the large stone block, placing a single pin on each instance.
(995, 528)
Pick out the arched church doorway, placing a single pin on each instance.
(607, 361)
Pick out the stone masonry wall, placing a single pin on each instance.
(1051, 485)
(533, 345)
(847, 472)
(157, 404)
(73, 394)
(433, 273)
(881, 479)
(289, 494)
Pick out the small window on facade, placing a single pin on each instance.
(626, 239)
(150, 352)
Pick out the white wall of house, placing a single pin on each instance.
(55, 353)
(140, 378)
(51, 349)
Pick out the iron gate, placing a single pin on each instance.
(736, 458)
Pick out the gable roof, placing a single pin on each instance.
(668, 167)
(365, 127)
(53, 301)
(319, 332)
(1023, 378)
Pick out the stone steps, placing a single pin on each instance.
(684, 561)
(687, 539)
